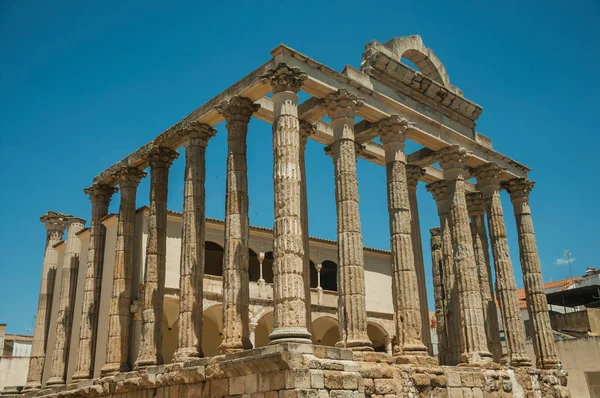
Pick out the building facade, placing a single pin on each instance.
(144, 310)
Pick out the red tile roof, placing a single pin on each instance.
(559, 284)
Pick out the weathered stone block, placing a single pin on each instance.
(454, 379)
(317, 379)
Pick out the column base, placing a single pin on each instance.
(78, 376)
(55, 381)
(356, 345)
(422, 359)
(185, 354)
(111, 369)
(290, 335)
(145, 362)
(32, 386)
(520, 361)
(476, 359)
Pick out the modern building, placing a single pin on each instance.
(14, 359)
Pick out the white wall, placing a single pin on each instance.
(21, 348)
(13, 371)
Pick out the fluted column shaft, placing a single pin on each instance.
(67, 301)
(191, 272)
(407, 309)
(236, 295)
(475, 205)
(119, 318)
(100, 197)
(473, 336)
(488, 182)
(352, 311)
(306, 130)
(55, 227)
(452, 323)
(413, 174)
(437, 264)
(289, 295)
(150, 353)
(537, 303)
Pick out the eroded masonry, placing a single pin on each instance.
(150, 302)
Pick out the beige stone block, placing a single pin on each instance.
(477, 393)
(237, 385)
(317, 379)
(219, 388)
(277, 380)
(455, 393)
(264, 382)
(297, 378)
(272, 394)
(258, 395)
(384, 386)
(251, 383)
(453, 379)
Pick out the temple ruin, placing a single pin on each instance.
(154, 303)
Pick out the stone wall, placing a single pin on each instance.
(293, 371)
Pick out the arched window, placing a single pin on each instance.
(329, 276)
(213, 259)
(253, 266)
(268, 267)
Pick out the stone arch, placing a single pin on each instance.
(412, 48)
(325, 330)
(213, 258)
(378, 336)
(264, 327)
(212, 330)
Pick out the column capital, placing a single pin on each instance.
(55, 222)
(237, 109)
(413, 175)
(435, 231)
(475, 204)
(452, 160)
(488, 177)
(285, 78)
(129, 176)
(161, 157)
(342, 104)
(75, 220)
(393, 129)
(439, 190)
(196, 133)
(100, 192)
(519, 189)
(306, 130)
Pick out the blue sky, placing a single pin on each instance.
(82, 85)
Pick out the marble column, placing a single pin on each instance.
(150, 353)
(236, 296)
(537, 304)
(191, 266)
(352, 311)
(100, 196)
(68, 285)
(289, 293)
(55, 228)
(119, 318)
(488, 182)
(476, 208)
(437, 265)
(452, 326)
(473, 337)
(405, 290)
(306, 130)
(413, 175)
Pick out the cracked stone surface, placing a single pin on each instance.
(352, 312)
(289, 294)
(437, 264)
(55, 224)
(488, 182)
(119, 317)
(100, 196)
(407, 310)
(473, 336)
(68, 285)
(150, 352)
(476, 208)
(413, 174)
(236, 296)
(537, 304)
(191, 271)
(452, 352)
